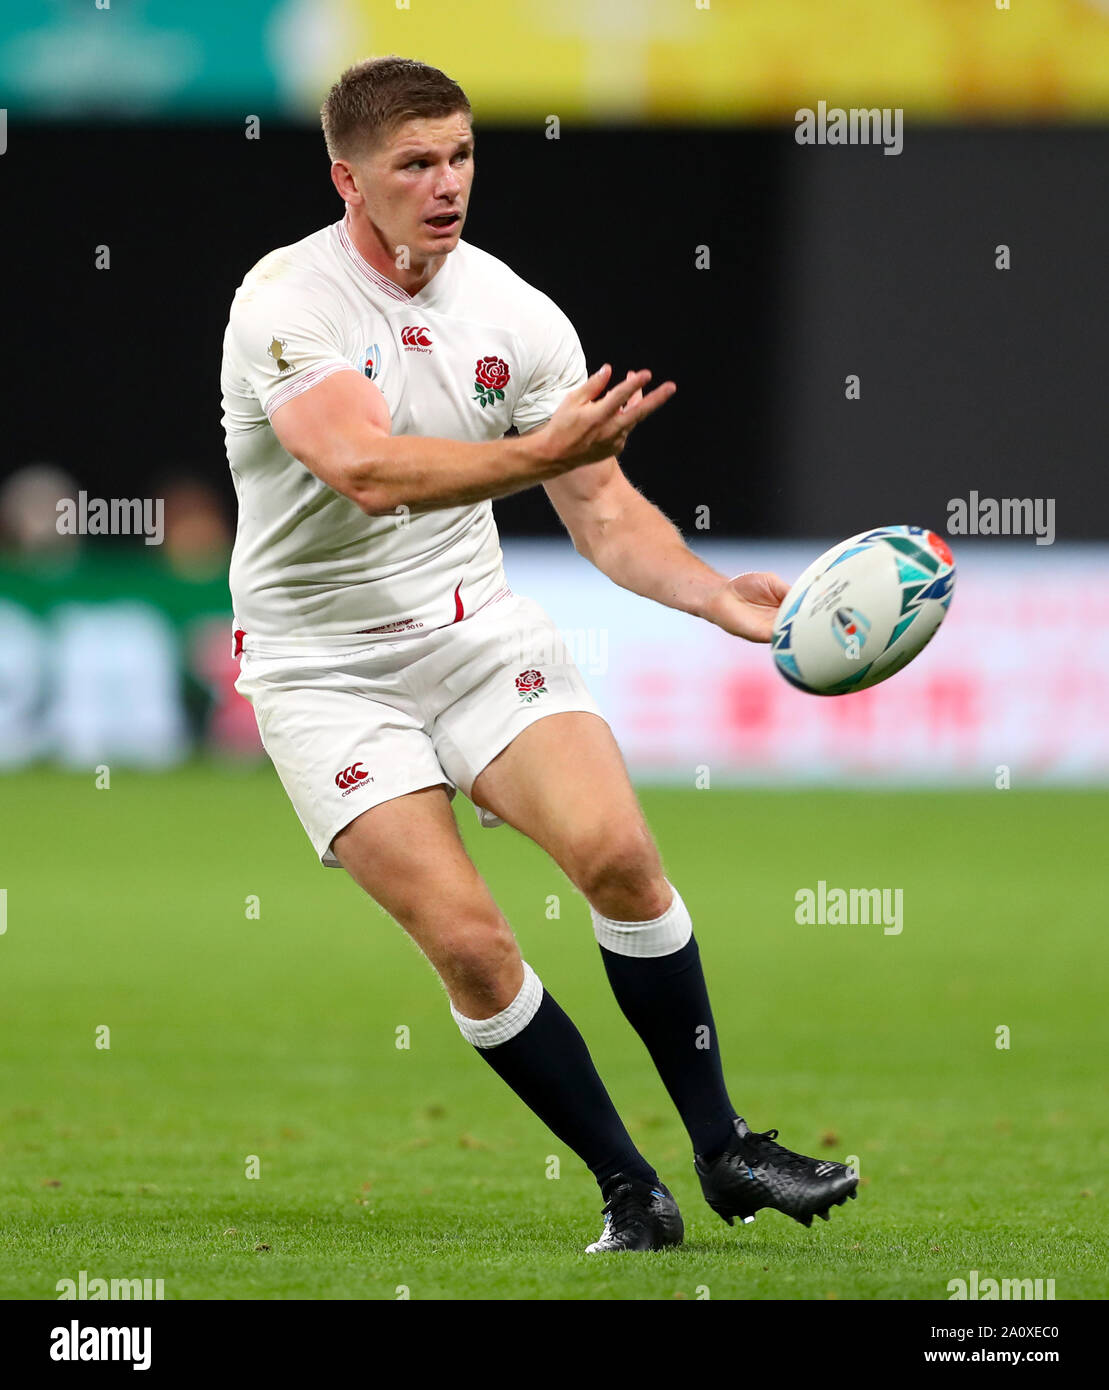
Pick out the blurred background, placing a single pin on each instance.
(681, 226)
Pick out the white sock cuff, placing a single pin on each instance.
(491, 1032)
(662, 936)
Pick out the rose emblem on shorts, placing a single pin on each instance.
(491, 376)
(530, 685)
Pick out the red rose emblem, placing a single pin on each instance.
(491, 376)
(492, 373)
(530, 683)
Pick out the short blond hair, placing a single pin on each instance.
(372, 98)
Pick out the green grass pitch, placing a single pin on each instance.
(386, 1168)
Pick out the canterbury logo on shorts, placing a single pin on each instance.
(351, 777)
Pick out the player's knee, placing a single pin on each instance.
(479, 963)
(621, 875)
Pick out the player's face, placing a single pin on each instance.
(416, 185)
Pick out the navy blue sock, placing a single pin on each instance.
(549, 1067)
(666, 1001)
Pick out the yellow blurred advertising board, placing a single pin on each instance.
(723, 60)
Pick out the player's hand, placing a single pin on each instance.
(747, 605)
(592, 424)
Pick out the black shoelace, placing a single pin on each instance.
(782, 1157)
(622, 1202)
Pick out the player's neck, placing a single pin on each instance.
(365, 240)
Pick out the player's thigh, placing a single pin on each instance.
(408, 856)
(563, 783)
(385, 817)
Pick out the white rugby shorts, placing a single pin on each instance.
(352, 722)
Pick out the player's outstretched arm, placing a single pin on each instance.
(341, 430)
(626, 536)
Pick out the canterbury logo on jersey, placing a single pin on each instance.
(416, 339)
(351, 778)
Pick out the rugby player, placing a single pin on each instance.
(371, 374)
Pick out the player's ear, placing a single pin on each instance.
(346, 185)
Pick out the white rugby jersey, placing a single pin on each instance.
(475, 351)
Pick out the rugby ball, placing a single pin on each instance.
(863, 610)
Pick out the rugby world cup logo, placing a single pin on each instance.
(371, 361)
(276, 350)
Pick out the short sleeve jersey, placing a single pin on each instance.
(474, 352)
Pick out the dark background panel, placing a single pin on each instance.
(824, 261)
(971, 377)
